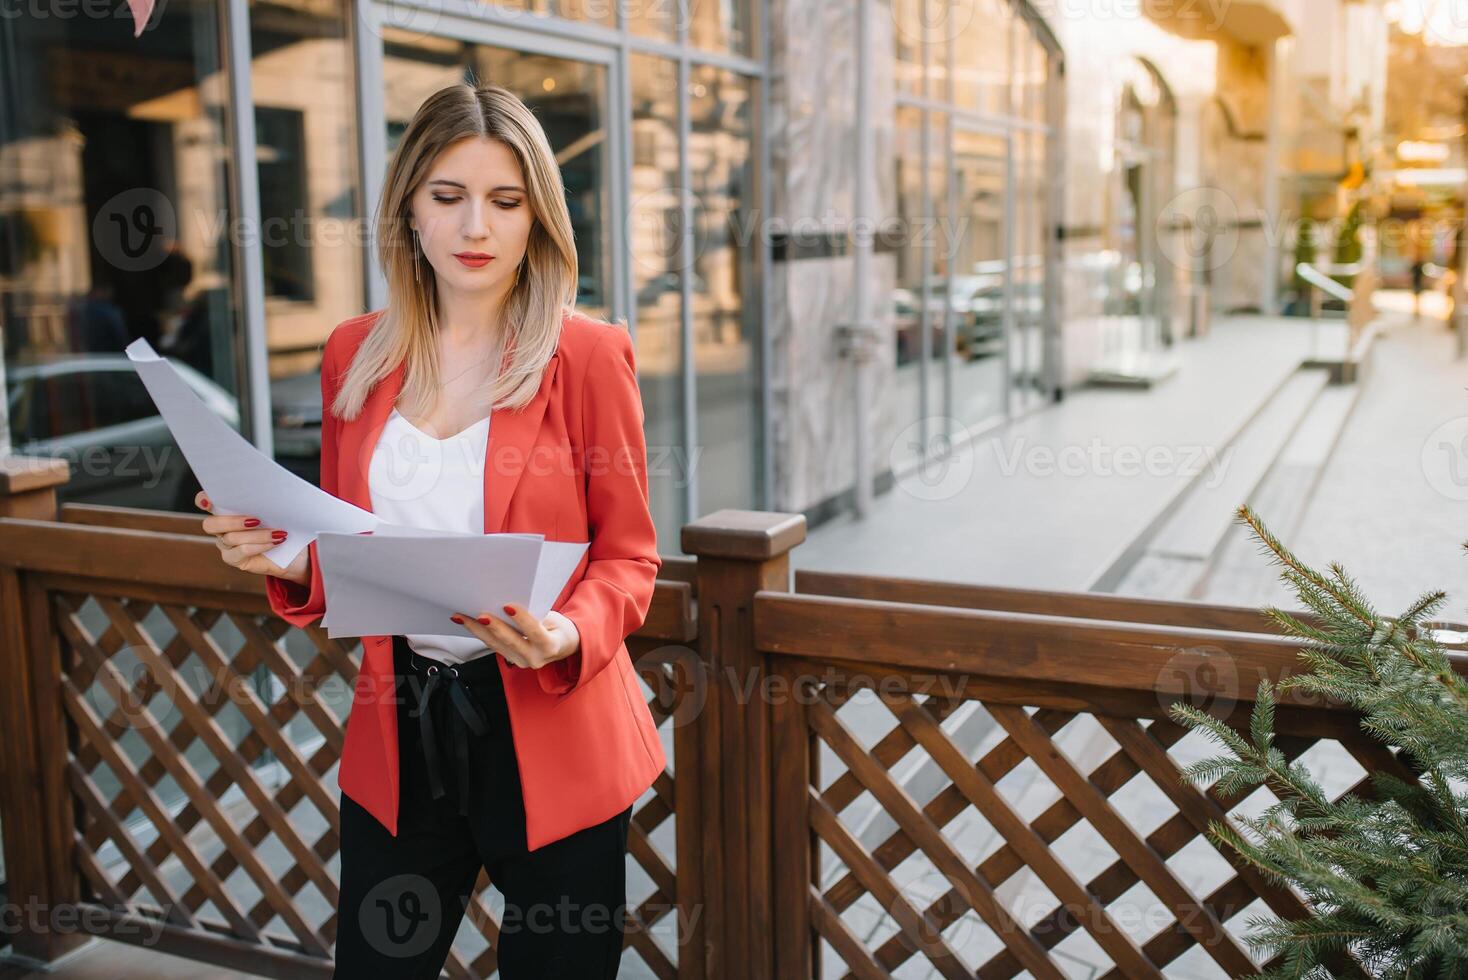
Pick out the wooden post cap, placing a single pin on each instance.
(747, 535)
(27, 474)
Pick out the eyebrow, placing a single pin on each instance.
(492, 190)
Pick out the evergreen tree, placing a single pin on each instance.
(1386, 876)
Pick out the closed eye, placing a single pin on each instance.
(504, 205)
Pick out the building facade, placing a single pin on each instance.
(1049, 194)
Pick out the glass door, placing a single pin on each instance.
(979, 276)
(567, 85)
(1028, 272)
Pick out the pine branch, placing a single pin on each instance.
(1284, 556)
(1386, 875)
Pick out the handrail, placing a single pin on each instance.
(1323, 282)
(116, 545)
(1078, 605)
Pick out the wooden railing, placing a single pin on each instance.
(863, 771)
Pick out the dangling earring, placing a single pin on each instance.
(517, 272)
(417, 246)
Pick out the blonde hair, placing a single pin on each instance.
(545, 290)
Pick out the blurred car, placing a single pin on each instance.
(652, 291)
(295, 414)
(977, 306)
(94, 411)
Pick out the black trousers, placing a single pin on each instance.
(460, 808)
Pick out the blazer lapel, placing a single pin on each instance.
(359, 439)
(511, 439)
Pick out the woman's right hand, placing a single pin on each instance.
(243, 544)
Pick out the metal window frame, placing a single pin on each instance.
(252, 362)
(611, 47)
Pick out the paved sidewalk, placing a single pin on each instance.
(1391, 502)
(106, 959)
(1052, 500)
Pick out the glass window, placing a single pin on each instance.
(977, 302)
(125, 395)
(1027, 286)
(726, 241)
(592, 11)
(942, 22)
(656, 19)
(981, 51)
(907, 38)
(312, 241)
(940, 259)
(1037, 71)
(116, 152)
(719, 25)
(567, 96)
(529, 6)
(65, 405)
(654, 226)
(916, 301)
(988, 320)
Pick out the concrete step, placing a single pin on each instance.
(1287, 491)
(1273, 461)
(1207, 508)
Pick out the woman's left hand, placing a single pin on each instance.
(534, 644)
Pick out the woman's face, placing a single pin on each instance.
(473, 204)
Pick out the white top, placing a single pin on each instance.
(421, 481)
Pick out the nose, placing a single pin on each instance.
(475, 225)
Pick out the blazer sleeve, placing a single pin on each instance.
(613, 597)
(297, 604)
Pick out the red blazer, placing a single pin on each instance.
(572, 465)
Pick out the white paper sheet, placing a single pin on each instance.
(236, 477)
(404, 581)
(397, 579)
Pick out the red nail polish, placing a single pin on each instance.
(510, 610)
(278, 535)
(485, 620)
(252, 522)
(206, 502)
(457, 619)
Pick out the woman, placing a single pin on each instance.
(515, 744)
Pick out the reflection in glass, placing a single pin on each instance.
(1027, 281)
(310, 202)
(988, 322)
(725, 297)
(603, 12)
(917, 300)
(653, 226)
(719, 25)
(981, 54)
(977, 304)
(529, 6)
(569, 99)
(657, 19)
(907, 37)
(114, 226)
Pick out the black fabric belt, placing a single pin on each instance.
(447, 680)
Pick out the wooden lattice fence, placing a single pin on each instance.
(867, 776)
